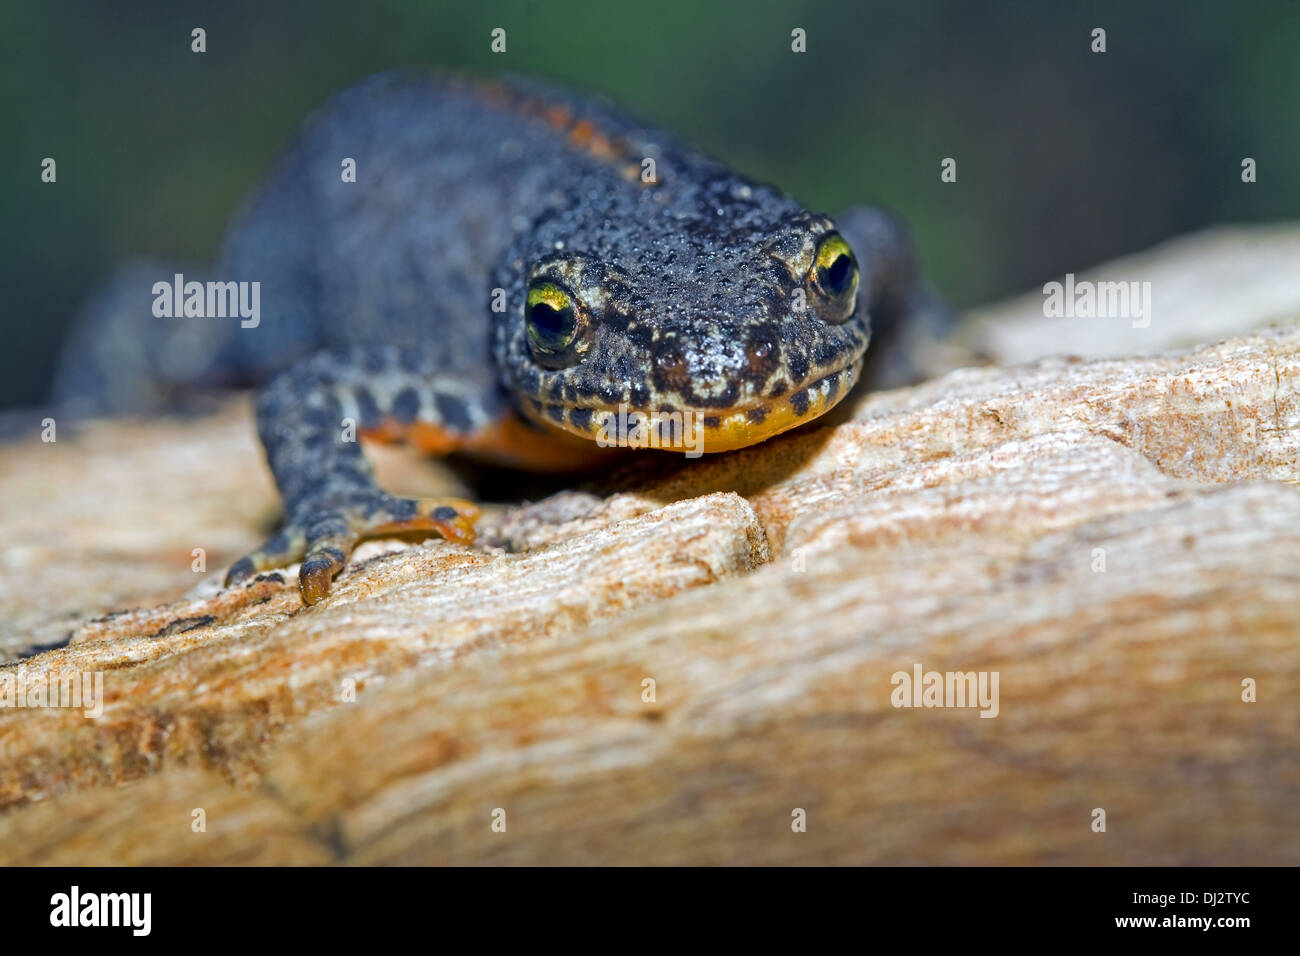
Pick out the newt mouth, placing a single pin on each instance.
(701, 431)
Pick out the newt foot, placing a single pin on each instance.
(323, 538)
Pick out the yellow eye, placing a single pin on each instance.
(835, 275)
(552, 317)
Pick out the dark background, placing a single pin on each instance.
(1065, 157)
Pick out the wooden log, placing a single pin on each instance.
(683, 662)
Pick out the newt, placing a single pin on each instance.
(510, 270)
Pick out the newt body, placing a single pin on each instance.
(512, 271)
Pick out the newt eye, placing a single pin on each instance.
(552, 316)
(835, 277)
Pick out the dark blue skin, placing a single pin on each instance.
(692, 290)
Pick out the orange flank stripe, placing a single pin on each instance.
(509, 441)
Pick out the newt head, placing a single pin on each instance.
(716, 312)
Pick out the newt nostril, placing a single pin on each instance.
(670, 369)
(760, 357)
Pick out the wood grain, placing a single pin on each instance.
(1118, 539)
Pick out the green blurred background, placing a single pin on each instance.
(1065, 157)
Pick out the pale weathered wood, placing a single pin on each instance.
(1119, 540)
(1214, 284)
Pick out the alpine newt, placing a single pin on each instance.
(509, 269)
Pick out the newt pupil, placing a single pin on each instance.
(837, 277)
(551, 327)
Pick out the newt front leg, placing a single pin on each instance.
(309, 418)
